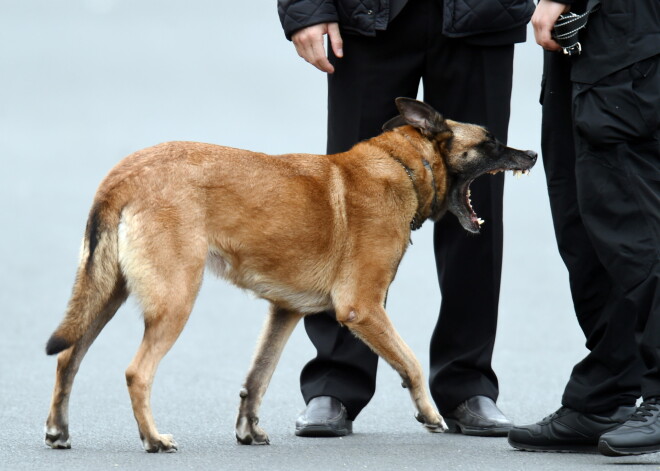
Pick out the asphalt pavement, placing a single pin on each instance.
(84, 83)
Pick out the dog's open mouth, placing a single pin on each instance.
(468, 193)
(460, 202)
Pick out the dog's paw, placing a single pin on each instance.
(57, 438)
(249, 433)
(437, 425)
(161, 444)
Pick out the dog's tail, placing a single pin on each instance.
(97, 281)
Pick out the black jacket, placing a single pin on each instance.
(481, 21)
(617, 35)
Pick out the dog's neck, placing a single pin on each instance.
(422, 213)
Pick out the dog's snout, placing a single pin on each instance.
(531, 154)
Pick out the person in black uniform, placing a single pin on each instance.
(601, 152)
(379, 50)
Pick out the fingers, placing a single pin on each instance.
(335, 39)
(543, 21)
(310, 46)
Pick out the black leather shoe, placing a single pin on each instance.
(324, 416)
(568, 430)
(478, 416)
(638, 435)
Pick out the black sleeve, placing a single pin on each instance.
(298, 14)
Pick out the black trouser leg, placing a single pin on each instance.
(361, 93)
(609, 375)
(463, 82)
(471, 84)
(618, 186)
(610, 203)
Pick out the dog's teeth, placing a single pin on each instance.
(480, 221)
(517, 173)
(525, 172)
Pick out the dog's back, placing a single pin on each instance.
(251, 216)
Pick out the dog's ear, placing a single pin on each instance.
(422, 117)
(395, 122)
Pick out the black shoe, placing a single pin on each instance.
(478, 416)
(568, 430)
(324, 416)
(638, 435)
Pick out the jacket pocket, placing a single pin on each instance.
(621, 107)
(646, 85)
(617, 25)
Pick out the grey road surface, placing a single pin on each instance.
(84, 83)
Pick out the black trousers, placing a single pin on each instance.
(465, 83)
(601, 153)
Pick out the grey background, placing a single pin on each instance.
(84, 83)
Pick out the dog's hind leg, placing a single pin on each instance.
(371, 324)
(163, 324)
(274, 335)
(164, 321)
(164, 270)
(68, 362)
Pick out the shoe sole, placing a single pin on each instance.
(592, 449)
(608, 450)
(324, 431)
(456, 427)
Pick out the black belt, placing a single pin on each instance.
(567, 27)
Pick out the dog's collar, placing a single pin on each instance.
(434, 203)
(418, 219)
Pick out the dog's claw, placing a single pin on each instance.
(56, 443)
(438, 427)
(163, 444)
(250, 440)
(249, 433)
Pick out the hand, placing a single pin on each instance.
(309, 44)
(543, 20)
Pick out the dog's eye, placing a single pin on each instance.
(464, 155)
(492, 146)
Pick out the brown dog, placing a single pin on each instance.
(309, 233)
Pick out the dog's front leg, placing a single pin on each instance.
(274, 335)
(371, 324)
